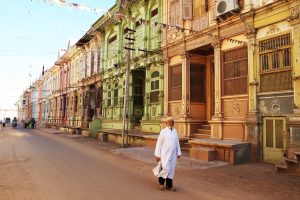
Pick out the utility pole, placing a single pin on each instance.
(130, 41)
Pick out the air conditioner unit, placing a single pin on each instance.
(226, 6)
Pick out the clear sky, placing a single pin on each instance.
(31, 33)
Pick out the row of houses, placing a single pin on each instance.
(227, 71)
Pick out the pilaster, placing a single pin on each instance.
(217, 66)
(295, 23)
(247, 5)
(216, 122)
(162, 83)
(147, 93)
(185, 84)
(166, 87)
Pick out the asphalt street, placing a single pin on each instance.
(38, 165)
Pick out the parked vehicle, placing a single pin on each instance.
(7, 120)
(14, 124)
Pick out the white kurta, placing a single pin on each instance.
(167, 149)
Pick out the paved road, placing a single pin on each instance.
(37, 165)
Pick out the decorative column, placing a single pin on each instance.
(185, 84)
(166, 87)
(121, 98)
(97, 100)
(162, 84)
(252, 128)
(252, 74)
(216, 122)
(147, 93)
(217, 66)
(246, 4)
(295, 23)
(293, 122)
(104, 99)
(252, 123)
(80, 104)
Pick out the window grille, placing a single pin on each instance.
(175, 84)
(275, 63)
(235, 71)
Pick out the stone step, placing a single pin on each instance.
(185, 149)
(205, 126)
(234, 152)
(291, 161)
(203, 153)
(297, 155)
(204, 131)
(186, 145)
(281, 168)
(200, 136)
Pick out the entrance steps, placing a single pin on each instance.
(291, 165)
(234, 152)
(203, 132)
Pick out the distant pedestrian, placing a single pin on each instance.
(167, 151)
(32, 123)
(0, 125)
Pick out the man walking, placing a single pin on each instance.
(167, 151)
(32, 123)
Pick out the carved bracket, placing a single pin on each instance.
(248, 19)
(254, 83)
(294, 78)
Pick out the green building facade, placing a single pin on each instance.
(146, 66)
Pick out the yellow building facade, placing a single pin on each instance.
(232, 81)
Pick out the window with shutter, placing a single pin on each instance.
(99, 59)
(154, 87)
(235, 71)
(139, 42)
(275, 63)
(76, 103)
(154, 39)
(116, 94)
(175, 84)
(112, 51)
(175, 13)
(187, 9)
(109, 96)
(92, 63)
(199, 8)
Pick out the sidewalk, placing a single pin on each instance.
(144, 154)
